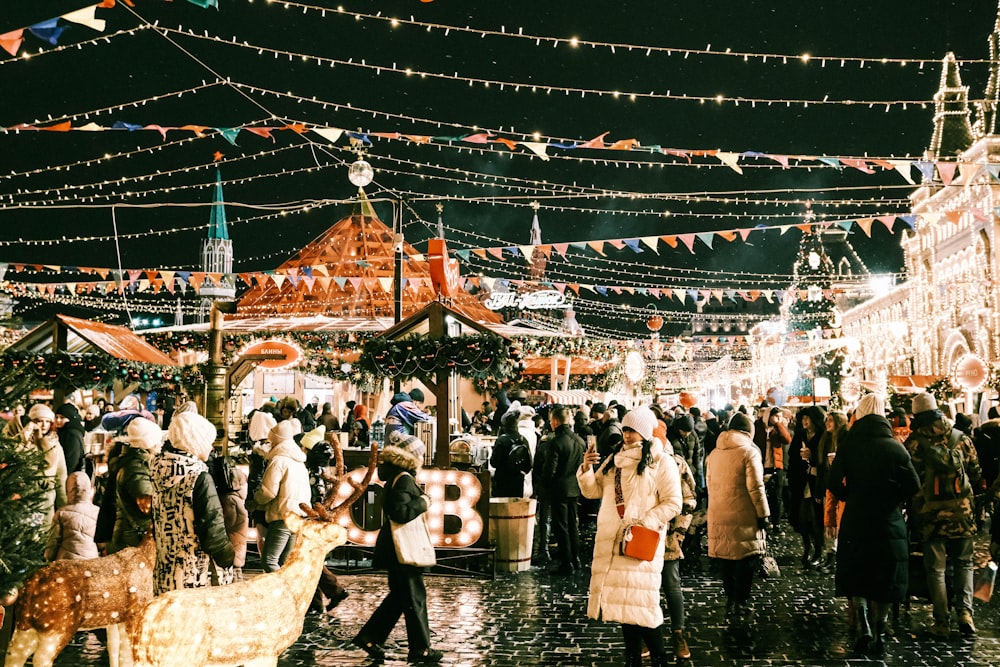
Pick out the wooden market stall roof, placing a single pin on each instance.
(347, 273)
(77, 336)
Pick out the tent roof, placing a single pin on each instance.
(347, 272)
(77, 336)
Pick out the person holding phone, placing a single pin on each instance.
(645, 481)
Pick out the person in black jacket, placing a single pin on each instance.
(565, 455)
(511, 459)
(69, 427)
(402, 502)
(874, 476)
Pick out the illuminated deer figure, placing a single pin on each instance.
(70, 595)
(250, 622)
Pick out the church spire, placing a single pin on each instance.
(217, 254)
(537, 260)
(952, 127)
(986, 110)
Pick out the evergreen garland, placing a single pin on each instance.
(476, 356)
(22, 490)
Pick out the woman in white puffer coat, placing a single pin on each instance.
(624, 589)
(737, 510)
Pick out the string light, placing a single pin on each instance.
(615, 47)
(24, 57)
(516, 86)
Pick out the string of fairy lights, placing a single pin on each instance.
(546, 89)
(611, 47)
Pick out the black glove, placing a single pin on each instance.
(762, 523)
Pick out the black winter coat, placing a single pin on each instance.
(71, 437)
(511, 460)
(402, 502)
(874, 475)
(564, 456)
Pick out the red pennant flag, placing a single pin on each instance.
(496, 252)
(58, 127)
(480, 138)
(261, 132)
(561, 248)
(947, 171)
(596, 142)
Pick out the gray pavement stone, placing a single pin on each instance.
(533, 619)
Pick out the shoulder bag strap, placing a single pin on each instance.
(619, 497)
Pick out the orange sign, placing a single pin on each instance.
(444, 271)
(291, 353)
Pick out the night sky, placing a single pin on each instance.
(59, 187)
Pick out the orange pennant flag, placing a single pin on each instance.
(597, 246)
(866, 225)
(58, 127)
(669, 240)
(596, 142)
(623, 145)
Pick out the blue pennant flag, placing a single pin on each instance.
(48, 31)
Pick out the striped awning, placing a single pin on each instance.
(573, 397)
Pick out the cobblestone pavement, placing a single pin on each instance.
(532, 618)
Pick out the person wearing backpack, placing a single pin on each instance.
(511, 458)
(948, 467)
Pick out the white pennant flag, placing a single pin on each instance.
(87, 17)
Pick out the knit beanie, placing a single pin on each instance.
(923, 403)
(313, 437)
(417, 395)
(261, 424)
(871, 404)
(193, 434)
(409, 443)
(684, 423)
(642, 421)
(144, 434)
(282, 432)
(740, 422)
(401, 397)
(41, 411)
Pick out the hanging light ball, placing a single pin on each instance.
(360, 173)
(654, 323)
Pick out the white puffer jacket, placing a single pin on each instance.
(623, 589)
(736, 497)
(286, 482)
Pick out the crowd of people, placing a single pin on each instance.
(886, 502)
(864, 490)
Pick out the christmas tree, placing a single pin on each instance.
(813, 315)
(22, 490)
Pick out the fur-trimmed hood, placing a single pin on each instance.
(399, 457)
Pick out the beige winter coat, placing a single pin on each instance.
(285, 485)
(736, 497)
(623, 589)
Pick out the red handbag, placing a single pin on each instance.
(638, 541)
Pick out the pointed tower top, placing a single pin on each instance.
(952, 126)
(536, 229)
(986, 110)
(363, 207)
(217, 228)
(440, 230)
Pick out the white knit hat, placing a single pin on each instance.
(871, 404)
(144, 434)
(193, 434)
(282, 432)
(41, 411)
(923, 403)
(642, 421)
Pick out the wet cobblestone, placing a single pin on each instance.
(535, 619)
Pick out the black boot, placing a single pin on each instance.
(880, 613)
(863, 643)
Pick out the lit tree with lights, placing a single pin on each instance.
(813, 313)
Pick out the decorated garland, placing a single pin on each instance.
(943, 390)
(477, 356)
(313, 343)
(22, 371)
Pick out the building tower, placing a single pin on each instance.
(952, 126)
(986, 110)
(217, 255)
(537, 260)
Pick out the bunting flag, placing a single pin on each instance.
(86, 16)
(12, 41)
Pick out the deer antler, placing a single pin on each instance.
(359, 487)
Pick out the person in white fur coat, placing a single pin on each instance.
(624, 589)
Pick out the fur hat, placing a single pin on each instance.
(313, 437)
(401, 397)
(93, 411)
(261, 424)
(193, 434)
(923, 402)
(410, 443)
(41, 411)
(417, 395)
(642, 421)
(740, 422)
(144, 434)
(870, 404)
(281, 432)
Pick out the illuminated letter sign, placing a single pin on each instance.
(453, 522)
(543, 300)
(291, 352)
(970, 372)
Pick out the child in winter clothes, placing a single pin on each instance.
(74, 524)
